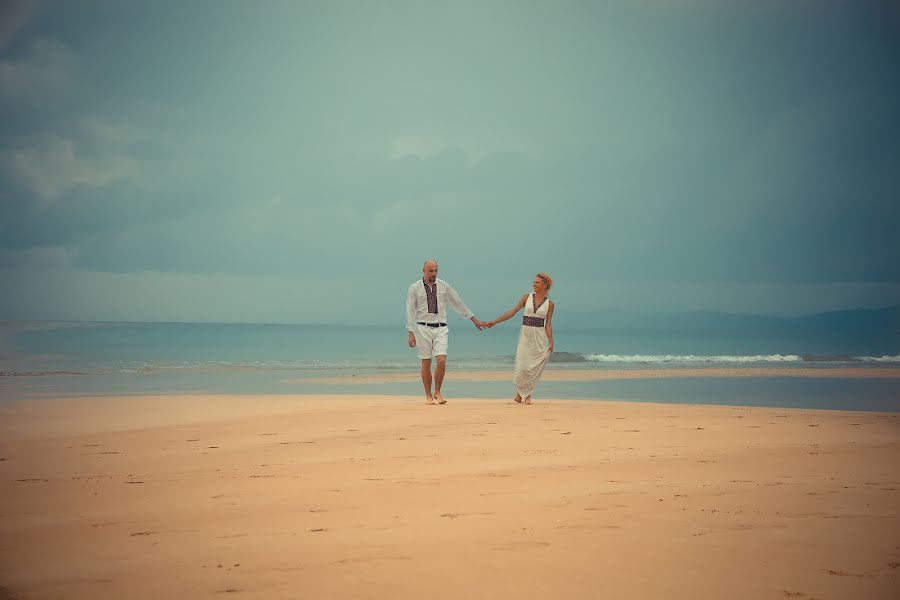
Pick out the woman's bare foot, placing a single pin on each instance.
(528, 400)
(518, 399)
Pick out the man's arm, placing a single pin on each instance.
(459, 306)
(411, 309)
(410, 316)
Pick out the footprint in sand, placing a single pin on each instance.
(845, 574)
(366, 559)
(6, 594)
(522, 545)
(103, 524)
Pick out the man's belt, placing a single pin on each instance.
(431, 324)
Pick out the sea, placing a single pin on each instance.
(67, 360)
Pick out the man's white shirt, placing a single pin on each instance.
(417, 304)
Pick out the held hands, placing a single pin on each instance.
(482, 325)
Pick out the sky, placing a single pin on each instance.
(296, 162)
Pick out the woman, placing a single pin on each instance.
(535, 338)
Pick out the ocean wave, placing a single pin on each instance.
(880, 359)
(691, 359)
(44, 373)
(564, 360)
(142, 367)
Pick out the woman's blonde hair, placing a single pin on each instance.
(548, 281)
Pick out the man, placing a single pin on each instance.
(426, 322)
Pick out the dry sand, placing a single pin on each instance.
(383, 497)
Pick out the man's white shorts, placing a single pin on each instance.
(431, 341)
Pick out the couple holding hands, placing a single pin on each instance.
(426, 322)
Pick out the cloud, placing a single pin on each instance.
(46, 71)
(14, 16)
(44, 256)
(475, 150)
(69, 294)
(51, 166)
(782, 299)
(102, 130)
(196, 297)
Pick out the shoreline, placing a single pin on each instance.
(859, 389)
(575, 375)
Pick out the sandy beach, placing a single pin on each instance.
(359, 496)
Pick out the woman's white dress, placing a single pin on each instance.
(533, 350)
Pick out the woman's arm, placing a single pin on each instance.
(548, 326)
(510, 313)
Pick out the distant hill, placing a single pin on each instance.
(856, 322)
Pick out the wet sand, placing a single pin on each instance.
(613, 374)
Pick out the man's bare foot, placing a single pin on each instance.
(440, 398)
(518, 399)
(429, 400)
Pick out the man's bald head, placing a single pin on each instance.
(430, 270)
